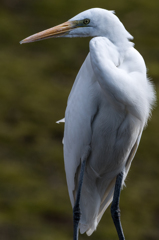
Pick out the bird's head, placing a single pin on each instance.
(90, 23)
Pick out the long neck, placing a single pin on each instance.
(114, 82)
(123, 46)
(118, 35)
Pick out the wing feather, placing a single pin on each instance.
(108, 196)
(81, 107)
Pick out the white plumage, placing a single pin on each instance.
(107, 110)
(108, 107)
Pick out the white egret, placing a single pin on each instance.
(107, 109)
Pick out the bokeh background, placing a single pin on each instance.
(35, 81)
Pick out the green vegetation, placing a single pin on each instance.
(35, 80)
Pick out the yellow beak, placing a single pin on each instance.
(56, 31)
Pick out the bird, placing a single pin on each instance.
(107, 109)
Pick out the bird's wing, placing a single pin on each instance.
(108, 196)
(124, 92)
(81, 108)
(132, 154)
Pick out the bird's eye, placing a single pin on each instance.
(86, 21)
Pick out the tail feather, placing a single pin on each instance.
(107, 199)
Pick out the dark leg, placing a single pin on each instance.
(115, 211)
(76, 209)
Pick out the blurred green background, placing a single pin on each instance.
(35, 80)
